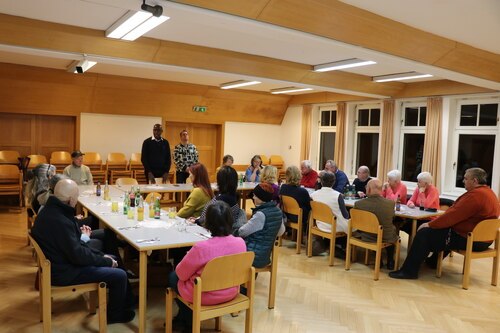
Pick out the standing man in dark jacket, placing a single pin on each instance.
(72, 261)
(155, 156)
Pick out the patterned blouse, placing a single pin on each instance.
(185, 156)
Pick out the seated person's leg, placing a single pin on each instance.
(184, 317)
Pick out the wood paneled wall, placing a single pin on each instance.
(33, 90)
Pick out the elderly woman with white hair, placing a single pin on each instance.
(425, 195)
(394, 188)
(309, 176)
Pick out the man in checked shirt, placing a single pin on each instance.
(185, 155)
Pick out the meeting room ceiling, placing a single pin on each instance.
(461, 20)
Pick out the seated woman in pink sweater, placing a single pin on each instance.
(219, 221)
(394, 188)
(425, 195)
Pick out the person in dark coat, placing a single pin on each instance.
(155, 156)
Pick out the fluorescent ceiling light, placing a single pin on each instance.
(399, 77)
(349, 63)
(81, 66)
(237, 84)
(134, 24)
(288, 90)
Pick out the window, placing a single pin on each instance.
(413, 118)
(327, 129)
(476, 134)
(367, 130)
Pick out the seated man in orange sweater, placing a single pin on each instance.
(449, 231)
(309, 176)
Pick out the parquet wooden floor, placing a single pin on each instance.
(311, 297)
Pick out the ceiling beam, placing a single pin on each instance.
(349, 24)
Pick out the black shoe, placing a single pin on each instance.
(181, 325)
(125, 317)
(400, 274)
(390, 265)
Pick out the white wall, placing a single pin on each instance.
(105, 133)
(243, 140)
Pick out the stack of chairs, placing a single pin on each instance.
(9, 157)
(137, 169)
(11, 181)
(35, 160)
(60, 159)
(117, 167)
(277, 161)
(94, 162)
(265, 160)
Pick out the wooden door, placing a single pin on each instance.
(37, 134)
(206, 137)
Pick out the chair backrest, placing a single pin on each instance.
(116, 158)
(43, 262)
(323, 212)
(444, 203)
(364, 221)
(277, 161)
(9, 174)
(227, 271)
(290, 205)
(135, 161)
(60, 157)
(126, 181)
(9, 157)
(265, 159)
(93, 160)
(486, 230)
(36, 159)
(154, 195)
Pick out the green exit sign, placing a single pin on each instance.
(198, 108)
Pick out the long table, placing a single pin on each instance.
(414, 214)
(148, 235)
(183, 189)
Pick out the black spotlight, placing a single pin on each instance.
(155, 10)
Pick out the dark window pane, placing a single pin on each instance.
(413, 150)
(367, 151)
(375, 117)
(468, 115)
(411, 116)
(488, 114)
(423, 114)
(326, 147)
(475, 151)
(334, 118)
(363, 115)
(325, 118)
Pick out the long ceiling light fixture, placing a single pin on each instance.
(135, 24)
(288, 90)
(343, 64)
(400, 77)
(238, 84)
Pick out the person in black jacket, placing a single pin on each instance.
(72, 261)
(155, 156)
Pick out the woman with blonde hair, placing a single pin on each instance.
(292, 189)
(270, 175)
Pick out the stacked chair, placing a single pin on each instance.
(60, 159)
(117, 167)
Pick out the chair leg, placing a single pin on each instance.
(248, 320)
(348, 251)
(218, 323)
(299, 237)
(47, 312)
(439, 267)
(102, 294)
(367, 256)
(398, 252)
(309, 244)
(332, 251)
(494, 274)
(169, 303)
(196, 321)
(378, 255)
(92, 302)
(465, 279)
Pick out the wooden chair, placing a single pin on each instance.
(135, 162)
(9, 157)
(11, 181)
(219, 273)
(290, 206)
(35, 160)
(367, 222)
(60, 159)
(116, 174)
(47, 291)
(126, 181)
(484, 231)
(272, 268)
(265, 159)
(277, 161)
(93, 160)
(322, 212)
(30, 220)
(116, 161)
(99, 176)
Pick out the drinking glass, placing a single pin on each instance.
(172, 211)
(114, 206)
(181, 225)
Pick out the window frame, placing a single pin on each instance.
(364, 129)
(325, 129)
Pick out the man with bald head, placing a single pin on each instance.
(72, 261)
(384, 210)
(155, 156)
(363, 179)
